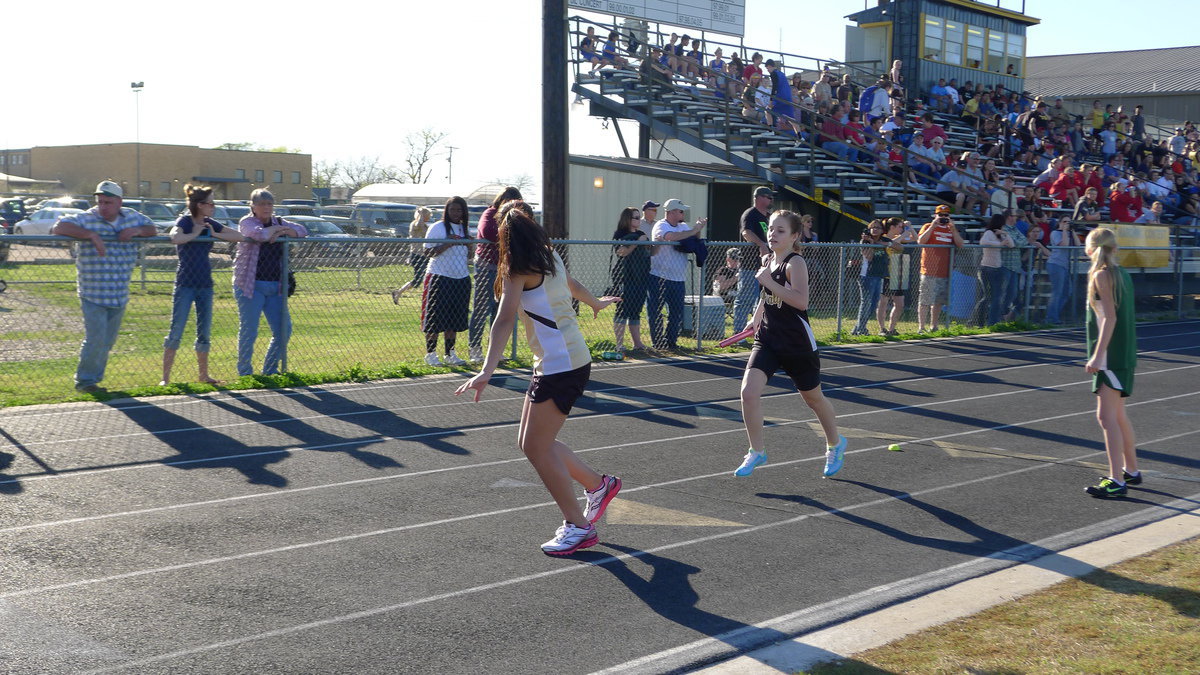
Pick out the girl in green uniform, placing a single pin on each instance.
(1112, 352)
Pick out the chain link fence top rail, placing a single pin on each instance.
(362, 306)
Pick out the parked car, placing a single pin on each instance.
(381, 219)
(65, 203)
(236, 210)
(40, 221)
(319, 228)
(12, 211)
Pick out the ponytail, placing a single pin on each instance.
(1102, 247)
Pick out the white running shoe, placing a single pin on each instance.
(598, 501)
(475, 355)
(453, 360)
(749, 462)
(568, 539)
(431, 359)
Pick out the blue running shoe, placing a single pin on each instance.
(751, 460)
(835, 456)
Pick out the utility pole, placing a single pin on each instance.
(450, 164)
(554, 118)
(137, 130)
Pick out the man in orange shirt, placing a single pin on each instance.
(935, 267)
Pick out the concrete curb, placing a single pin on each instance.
(960, 600)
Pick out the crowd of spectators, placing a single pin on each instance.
(900, 129)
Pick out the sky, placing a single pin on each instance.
(352, 79)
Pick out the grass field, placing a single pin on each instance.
(1142, 616)
(346, 328)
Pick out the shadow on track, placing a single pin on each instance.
(993, 544)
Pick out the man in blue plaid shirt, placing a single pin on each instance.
(103, 270)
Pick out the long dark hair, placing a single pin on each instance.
(506, 195)
(997, 221)
(462, 203)
(524, 247)
(624, 220)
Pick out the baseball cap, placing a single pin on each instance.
(674, 204)
(763, 191)
(109, 189)
(942, 208)
(650, 205)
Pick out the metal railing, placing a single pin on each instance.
(348, 325)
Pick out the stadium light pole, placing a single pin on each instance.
(137, 131)
(554, 118)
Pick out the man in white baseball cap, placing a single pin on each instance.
(668, 268)
(103, 270)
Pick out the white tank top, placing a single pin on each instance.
(550, 325)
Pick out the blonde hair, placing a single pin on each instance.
(1102, 246)
(792, 220)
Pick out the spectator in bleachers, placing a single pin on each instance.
(754, 67)
(1138, 133)
(717, 78)
(754, 98)
(1005, 198)
(1087, 209)
(876, 100)
(932, 130)
(694, 58)
(679, 51)
(939, 96)
(1058, 113)
(193, 279)
(970, 113)
(653, 72)
(833, 134)
(1125, 201)
(895, 74)
(853, 137)
(781, 98)
(669, 58)
(587, 49)
(1159, 185)
(1091, 179)
(609, 55)
(1108, 141)
(845, 90)
(1153, 216)
(1177, 142)
(822, 91)
(1097, 118)
(1045, 180)
(935, 267)
(1066, 187)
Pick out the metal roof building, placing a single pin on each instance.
(1165, 81)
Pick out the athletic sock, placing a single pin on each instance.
(1119, 482)
(1135, 474)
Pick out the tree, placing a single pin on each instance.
(521, 181)
(355, 173)
(252, 147)
(325, 174)
(421, 146)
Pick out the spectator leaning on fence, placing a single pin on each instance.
(668, 268)
(483, 310)
(447, 284)
(103, 271)
(258, 282)
(193, 279)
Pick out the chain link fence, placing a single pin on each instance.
(370, 307)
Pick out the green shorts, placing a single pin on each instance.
(1121, 380)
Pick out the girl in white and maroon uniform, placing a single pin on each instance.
(531, 280)
(784, 340)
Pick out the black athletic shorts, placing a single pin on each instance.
(804, 368)
(563, 388)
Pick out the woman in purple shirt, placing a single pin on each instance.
(259, 284)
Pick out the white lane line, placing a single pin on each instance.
(517, 375)
(354, 616)
(527, 507)
(576, 419)
(39, 411)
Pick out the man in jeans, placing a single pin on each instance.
(668, 268)
(103, 271)
(754, 231)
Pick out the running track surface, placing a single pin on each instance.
(390, 527)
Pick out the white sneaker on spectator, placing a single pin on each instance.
(431, 359)
(475, 355)
(453, 360)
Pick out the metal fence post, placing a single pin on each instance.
(698, 315)
(949, 292)
(841, 272)
(359, 264)
(1179, 278)
(284, 272)
(142, 263)
(1028, 274)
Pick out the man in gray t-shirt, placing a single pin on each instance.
(668, 268)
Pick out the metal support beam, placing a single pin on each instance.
(554, 118)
